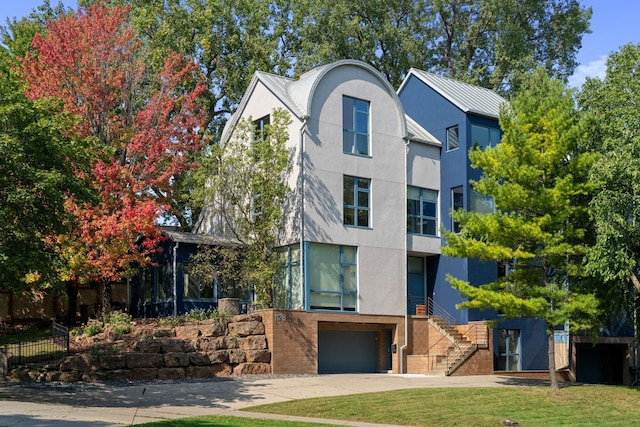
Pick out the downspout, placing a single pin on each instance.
(175, 278)
(406, 291)
(303, 129)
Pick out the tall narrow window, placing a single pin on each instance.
(453, 140)
(259, 135)
(457, 202)
(259, 128)
(422, 207)
(355, 126)
(356, 201)
(508, 349)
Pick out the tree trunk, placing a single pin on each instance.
(635, 281)
(552, 359)
(72, 296)
(106, 296)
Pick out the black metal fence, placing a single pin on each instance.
(44, 350)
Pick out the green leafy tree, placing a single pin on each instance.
(538, 178)
(614, 128)
(244, 197)
(490, 43)
(36, 176)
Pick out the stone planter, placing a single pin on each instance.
(229, 306)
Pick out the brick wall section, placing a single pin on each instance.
(293, 337)
(481, 362)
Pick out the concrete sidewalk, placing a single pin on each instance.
(83, 404)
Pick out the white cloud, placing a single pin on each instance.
(592, 69)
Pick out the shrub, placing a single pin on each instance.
(92, 329)
(199, 314)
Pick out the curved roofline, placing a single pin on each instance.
(285, 89)
(333, 65)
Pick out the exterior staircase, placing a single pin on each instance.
(459, 351)
(456, 343)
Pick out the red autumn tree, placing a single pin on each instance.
(144, 128)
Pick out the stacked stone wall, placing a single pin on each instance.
(211, 348)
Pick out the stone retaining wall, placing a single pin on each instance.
(211, 348)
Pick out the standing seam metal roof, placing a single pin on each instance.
(296, 94)
(467, 97)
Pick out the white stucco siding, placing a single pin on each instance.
(261, 102)
(423, 170)
(381, 247)
(381, 280)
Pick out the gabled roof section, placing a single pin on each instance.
(417, 133)
(296, 95)
(468, 98)
(199, 239)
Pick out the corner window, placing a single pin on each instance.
(356, 201)
(332, 271)
(457, 202)
(508, 350)
(484, 137)
(453, 141)
(288, 286)
(422, 208)
(355, 126)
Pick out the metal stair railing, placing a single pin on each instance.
(478, 336)
(433, 309)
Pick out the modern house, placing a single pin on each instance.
(363, 224)
(463, 116)
(375, 174)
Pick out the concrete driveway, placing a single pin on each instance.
(112, 404)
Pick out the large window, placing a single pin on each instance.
(508, 349)
(453, 140)
(197, 288)
(356, 201)
(484, 137)
(332, 272)
(422, 208)
(457, 202)
(355, 126)
(481, 203)
(155, 283)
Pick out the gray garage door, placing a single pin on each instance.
(342, 352)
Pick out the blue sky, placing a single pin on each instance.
(613, 24)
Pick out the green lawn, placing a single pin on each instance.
(29, 335)
(531, 406)
(231, 422)
(36, 344)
